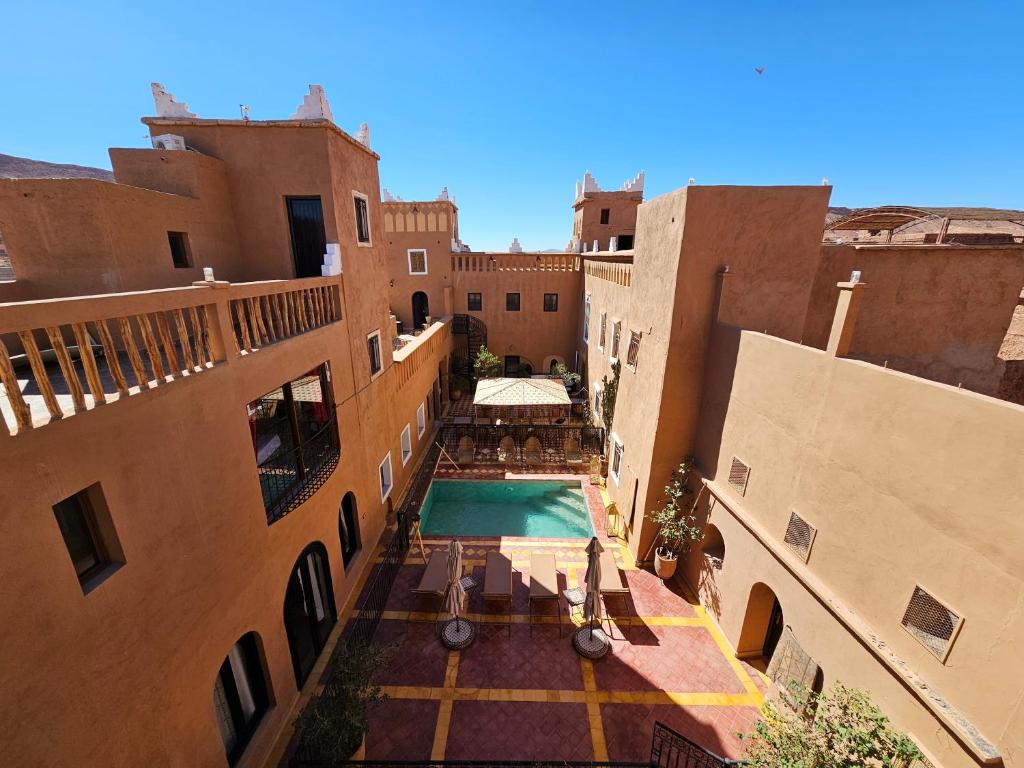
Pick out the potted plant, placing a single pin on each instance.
(677, 521)
(571, 379)
(332, 728)
(457, 385)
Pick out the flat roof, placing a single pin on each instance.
(888, 217)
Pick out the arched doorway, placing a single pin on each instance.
(420, 309)
(241, 695)
(309, 612)
(762, 624)
(348, 528)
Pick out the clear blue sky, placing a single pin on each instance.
(507, 103)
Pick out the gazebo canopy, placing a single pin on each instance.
(504, 393)
(890, 217)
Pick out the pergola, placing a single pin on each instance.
(522, 401)
(893, 218)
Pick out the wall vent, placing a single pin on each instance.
(800, 535)
(931, 622)
(738, 474)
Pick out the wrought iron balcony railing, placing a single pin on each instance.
(291, 475)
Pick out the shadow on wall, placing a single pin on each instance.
(719, 371)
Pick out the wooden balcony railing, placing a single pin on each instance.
(60, 357)
(412, 355)
(620, 274)
(515, 262)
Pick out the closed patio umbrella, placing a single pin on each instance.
(457, 633)
(588, 642)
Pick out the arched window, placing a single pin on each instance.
(309, 613)
(348, 528)
(240, 695)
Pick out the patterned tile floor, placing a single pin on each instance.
(530, 696)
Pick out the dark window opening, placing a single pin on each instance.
(373, 351)
(88, 534)
(348, 528)
(605, 215)
(295, 436)
(475, 302)
(511, 302)
(240, 696)
(309, 612)
(181, 255)
(624, 242)
(309, 239)
(512, 365)
(550, 302)
(362, 219)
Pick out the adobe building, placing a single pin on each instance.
(225, 382)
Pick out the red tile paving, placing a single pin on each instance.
(523, 662)
(417, 656)
(628, 727)
(502, 730)
(402, 729)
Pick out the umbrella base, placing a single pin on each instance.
(457, 635)
(591, 644)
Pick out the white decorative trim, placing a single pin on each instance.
(332, 261)
(385, 492)
(409, 254)
(612, 472)
(515, 246)
(443, 197)
(314, 106)
(634, 185)
(380, 352)
(406, 439)
(421, 420)
(369, 229)
(166, 106)
(363, 137)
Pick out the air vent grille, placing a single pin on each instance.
(738, 474)
(932, 623)
(800, 535)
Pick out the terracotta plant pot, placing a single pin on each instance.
(665, 567)
(457, 394)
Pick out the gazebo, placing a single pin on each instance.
(522, 401)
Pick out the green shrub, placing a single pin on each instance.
(487, 365)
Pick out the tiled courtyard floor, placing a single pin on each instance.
(530, 696)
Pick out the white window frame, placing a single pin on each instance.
(612, 472)
(380, 353)
(385, 492)
(598, 400)
(355, 221)
(406, 444)
(603, 317)
(409, 254)
(421, 420)
(615, 342)
(586, 318)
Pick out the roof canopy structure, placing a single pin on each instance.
(893, 217)
(518, 392)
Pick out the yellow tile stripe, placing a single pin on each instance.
(597, 741)
(523, 618)
(728, 653)
(444, 715)
(542, 696)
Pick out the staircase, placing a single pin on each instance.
(476, 337)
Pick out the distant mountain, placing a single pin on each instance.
(12, 167)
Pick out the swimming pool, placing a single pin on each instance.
(544, 508)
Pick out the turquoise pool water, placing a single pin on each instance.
(546, 508)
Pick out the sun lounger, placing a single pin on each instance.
(435, 578)
(498, 581)
(612, 582)
(467, 449)
(544, 585)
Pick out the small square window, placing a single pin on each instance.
(406, 445)
(625, 242)
(616, 337)
(362, 213)
(605, 215)
(511, 302)
(550, 302)
(421, 421)
(417, 262)
(88, 533)
(373, 352)
(633, 353)
(475, 302)
(181, 255)
(615, 469)
(512, 365)
(384, 470)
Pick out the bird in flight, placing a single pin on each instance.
(759, 70)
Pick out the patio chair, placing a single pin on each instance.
(498, 581)
(544, 585)
(466, 450)
(531, 451)
(573, 454)
(612, 582)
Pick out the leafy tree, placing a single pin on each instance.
(570, 378)
(609, 393)
(333, 724)
(487, 364)
(841, 727)
(677, 522)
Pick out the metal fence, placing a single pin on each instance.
(670, 749)
(299, 763)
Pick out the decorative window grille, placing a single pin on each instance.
(634, 349)
(586, 318)
(738, 475)
(417, 262)
(604, 326)
(932, 623)
(616, 337)
(800, 535)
